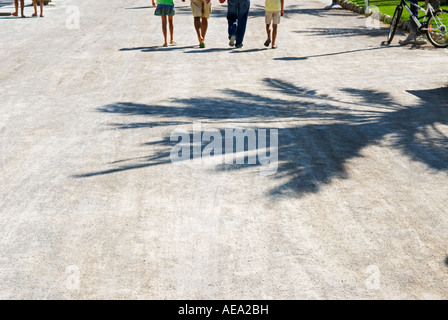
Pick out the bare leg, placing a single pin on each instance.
(41, 8)
(22, 7)
(268, 31)
(197, 26)
(35, 8)
(164, 30)
(170, 21)
(204, 27)
(274, 35)
(16, 6)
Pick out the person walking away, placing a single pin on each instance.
(41, 8)
(237, 14)
(201, 10)
(165, 9)
(274, 9)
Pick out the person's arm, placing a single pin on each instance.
(153, 3)
(282, 12)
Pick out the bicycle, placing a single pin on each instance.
(435, 23)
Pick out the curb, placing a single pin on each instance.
(348, 5)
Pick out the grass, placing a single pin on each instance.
(388, 6)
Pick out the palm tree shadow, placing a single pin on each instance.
(332, 53)
(317, 133)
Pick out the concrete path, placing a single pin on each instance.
(92, 207)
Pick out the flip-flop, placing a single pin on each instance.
(15, 14)
(34, 15)
(274, 47)
(173, 43)
(164, 45)
(202, 45)
(267, 43)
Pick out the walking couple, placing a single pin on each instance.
(22, 7)
(237, 14)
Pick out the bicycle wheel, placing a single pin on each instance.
(394, 23)
(437, 29)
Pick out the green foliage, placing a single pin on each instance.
(388, 6)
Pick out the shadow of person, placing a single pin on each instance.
(156, 48)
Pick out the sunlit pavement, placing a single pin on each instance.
(92, 205)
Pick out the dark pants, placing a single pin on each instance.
(414, 10)
(237, 13)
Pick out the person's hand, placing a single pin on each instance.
(153, 3)
(282, 13)
(208, 1)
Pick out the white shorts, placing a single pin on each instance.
(273, 16)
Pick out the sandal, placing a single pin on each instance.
(173, 43)
(34, 15)
(202, 45)
(267, 43)
(14, 14)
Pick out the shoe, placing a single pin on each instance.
(267, 43)
(412, 39)
(202, 45)
(406, 41)
(232, 41)
(239, 46)
(419, 41)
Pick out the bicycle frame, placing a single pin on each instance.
(434, 23)
(428, 13)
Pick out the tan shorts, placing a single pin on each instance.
(200, 8)
(273, 16)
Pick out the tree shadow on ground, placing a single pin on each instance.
(331, 54)
(346, 32)
(292, 10)
(140, 8)
(317, 133)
